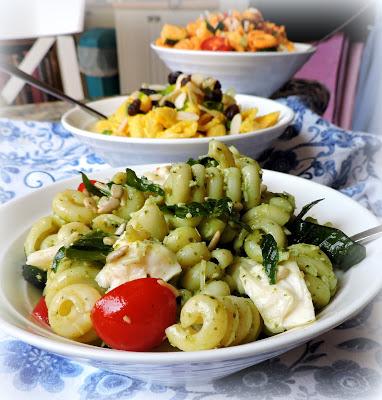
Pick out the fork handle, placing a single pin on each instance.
(368, 235)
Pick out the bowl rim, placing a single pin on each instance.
(284, 122)
(269, 345)
(307, 48)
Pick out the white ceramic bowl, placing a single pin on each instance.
(120, 151)
(17, 298)
(259, 73)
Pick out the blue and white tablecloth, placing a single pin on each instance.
(345, 363)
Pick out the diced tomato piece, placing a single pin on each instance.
(40, 312)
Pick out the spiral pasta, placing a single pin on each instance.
(208, 322)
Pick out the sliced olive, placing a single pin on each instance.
(170, 104)
(173, 76)
(147, 91)
(134, 107)
(231, 111)
(185, 80)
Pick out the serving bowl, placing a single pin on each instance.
(257, 73)
(17, 298)
(120, 151)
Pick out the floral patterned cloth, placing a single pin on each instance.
(345, 363)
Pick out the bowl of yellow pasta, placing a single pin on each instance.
(243, 49)
(184, 273)
(163, 123)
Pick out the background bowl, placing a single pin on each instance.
(259, 73)
(120, 151)
(17, 298)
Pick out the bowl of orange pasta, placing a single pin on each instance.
(158, 123)
(245, 51)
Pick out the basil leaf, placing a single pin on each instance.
(305, 209)
(92, 189)
(210, 27)
(206, 161)
(89, 247)
(58, 258)
(342, 251)
(220, 26)
(222, 208)
(142, 184)
(270, 255)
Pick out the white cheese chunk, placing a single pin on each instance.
(284, 305)
(139, 260)
(159, 175)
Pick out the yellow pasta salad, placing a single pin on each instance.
(200, 254)
(227, 31)
(190, 106)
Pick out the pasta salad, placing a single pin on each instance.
(227, 31)
(190, 106)
(199, 253)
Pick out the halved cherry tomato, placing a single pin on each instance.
(134, 315)
(81, 186)
(216, 43)
(40, 312)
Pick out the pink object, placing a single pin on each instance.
(350, 88)
(325, 66)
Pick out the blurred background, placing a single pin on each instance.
(101, 47)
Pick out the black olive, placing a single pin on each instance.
(218, 95)
(147, 91)
(217, 85)
(154, 103)
(168, 103)
(185, 80)
(134, 107)
(173, 76)
(231, 111)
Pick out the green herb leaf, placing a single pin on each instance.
(342, 251)
(305, 209)
(92, 189)
(210, 27)
(169, 89)
(206, 161)
(213, 105)
(142, 184)
(34, 275)
(89, 247)
(270, 255)
(220, 26)
(222, 208)
(60, 255)
(107, 132)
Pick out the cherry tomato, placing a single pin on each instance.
(81, 186)
(134, 315)
(216, 43)
(40, 312)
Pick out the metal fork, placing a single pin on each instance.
(368, 235)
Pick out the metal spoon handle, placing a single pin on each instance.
(11, 69)
(368, 235)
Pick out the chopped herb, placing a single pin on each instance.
(107, 132)
(342, 251)
(210, 27)
(270, 255)
(89, 247)
(210, 208)
(142, 184)
(60, 255)
(206, 161)
(92, 189)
